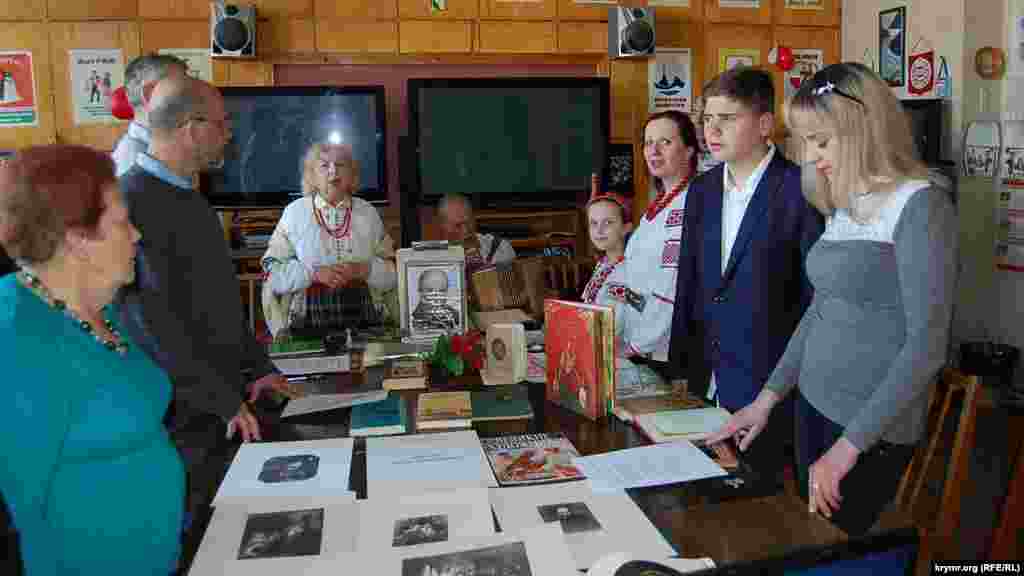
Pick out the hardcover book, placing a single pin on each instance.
(506, 354)
(503, 403)
(531, 458)
(405, 374)
(580, 346)
(444, 410)
(387, 416)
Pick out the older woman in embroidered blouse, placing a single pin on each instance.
(327, 238)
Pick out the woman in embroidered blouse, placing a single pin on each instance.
(875, 334)
(327, 238)
(652, 255)
(92, 480)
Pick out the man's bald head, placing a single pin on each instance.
(174, 101)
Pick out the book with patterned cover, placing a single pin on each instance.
(444, 410)
(532, 458)
(580, 363)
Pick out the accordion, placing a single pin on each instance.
(329, 310)
(515, 284)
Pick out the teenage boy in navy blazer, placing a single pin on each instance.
(741, 287)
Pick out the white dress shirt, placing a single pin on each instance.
(735, 200)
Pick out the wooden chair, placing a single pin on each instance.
(252, 284)
(564, 277)
(937, 536)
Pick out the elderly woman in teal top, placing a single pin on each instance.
(92, 480)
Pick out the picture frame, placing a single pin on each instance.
(432, 292)
(892, 46)
(619, 169)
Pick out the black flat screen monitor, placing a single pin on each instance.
(272, 127)
(508, 142)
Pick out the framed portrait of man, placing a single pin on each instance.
(432, 292)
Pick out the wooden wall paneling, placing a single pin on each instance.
(498, 9)
(250, 73)
(570, 10)
(715, 13)
(724, 36)
(830, 15)
(86, 35)
(692, 13)
(824, 39)
(283, 8)
(283, 35)
(219, 69)
(172, 9)
(583, 37)
(158, 34)
(379, 9)
(345, 35)
(435, 36)
(628, 98)
(456, 10)
(22, 9)
(516, 37)
(92, 9)
(31, 36)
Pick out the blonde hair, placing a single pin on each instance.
(308, 165)
(876, 151)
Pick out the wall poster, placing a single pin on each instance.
(892, 44)
(18, 106)
(668, 80)
(94, 75)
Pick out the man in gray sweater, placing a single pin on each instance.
(184, 309)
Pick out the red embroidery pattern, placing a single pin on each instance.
(670, 254)
(664, 199)
(598, 279)
(617, 291)
(674, 218)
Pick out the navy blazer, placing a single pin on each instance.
(737, 324)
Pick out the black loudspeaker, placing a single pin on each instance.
(630, 31)
(408, 191)
(232, 30)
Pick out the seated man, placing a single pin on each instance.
(459, 227)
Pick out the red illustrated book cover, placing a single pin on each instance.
(573, 338)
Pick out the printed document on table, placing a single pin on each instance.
(310, 468)
(423, 462)
(648, 466)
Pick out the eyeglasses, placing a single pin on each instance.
(333, 167)
(720, 121)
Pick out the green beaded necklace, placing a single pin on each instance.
(116, 344)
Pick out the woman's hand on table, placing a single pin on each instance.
(747, 423)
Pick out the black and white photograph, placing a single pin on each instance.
(289, 468)
(505, 560)
(435, 293)
(282, 534)
(420, 530)
(574, 517)
(1013, 163)
(980, 160)
(892, 45)
(620, 169)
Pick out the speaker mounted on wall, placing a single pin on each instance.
(232, 30)
(630, 31)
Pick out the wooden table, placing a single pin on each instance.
(727, 521)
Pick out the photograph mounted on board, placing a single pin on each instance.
(432, 292)
(420, 530)
(574, 517)
(892, 45)
(282, 534)
(289, 468)
(507, 560)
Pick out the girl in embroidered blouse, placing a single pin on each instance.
(609, 224)
(328, 239)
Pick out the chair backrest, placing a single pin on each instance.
(565, 277)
